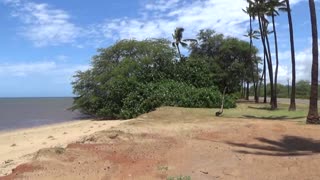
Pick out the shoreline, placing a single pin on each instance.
(4, 131)
(17, 146)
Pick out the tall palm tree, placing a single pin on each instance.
(292, 106)
(261, 9)
(266, 33)
(264, 80)
(177, 36)
(253, 34)
(273, 7)
(313, 116)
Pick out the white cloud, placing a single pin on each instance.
(303, 65)
(162, 17)
(23, 69)
(43, 24)
(46, 25)
(162, 5)
(59, 72)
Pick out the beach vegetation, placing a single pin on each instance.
(133, 77)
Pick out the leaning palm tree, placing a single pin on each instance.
(313, 116)
(292, 106)
(177, 36)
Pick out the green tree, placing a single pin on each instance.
(117, 71)
(313, 116)
(229, 59)
(134, 77)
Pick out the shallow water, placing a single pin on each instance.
(18, 113)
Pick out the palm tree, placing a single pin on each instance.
(252, 35)
(313, 116)
(264, 80)
(260, 9)
(292, 106)
(273, 7)
(177, 36)
(266, 33)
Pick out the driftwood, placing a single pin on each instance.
(221, 109)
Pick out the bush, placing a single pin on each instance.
(171, 93)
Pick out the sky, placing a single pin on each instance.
(44, 42)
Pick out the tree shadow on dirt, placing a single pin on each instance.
(261, 108)
(287, 146)
(273, 117)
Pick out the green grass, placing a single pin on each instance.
(243, 111)
(263, 111)
(179, 178)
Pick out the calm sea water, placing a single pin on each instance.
(18, 113)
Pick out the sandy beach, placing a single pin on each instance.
(18, 146)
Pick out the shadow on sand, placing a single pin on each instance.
(287, 146)
(273, 117)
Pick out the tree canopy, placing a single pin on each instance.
(133, 77)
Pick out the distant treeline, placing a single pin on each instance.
(284, 91)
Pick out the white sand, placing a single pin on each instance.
(18, 146)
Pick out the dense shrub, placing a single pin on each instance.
(171, 93)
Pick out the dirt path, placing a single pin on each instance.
(174, 142)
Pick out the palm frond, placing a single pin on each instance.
(255, 37)
(191, 40)
(283, 9)
(183, 44)
(256, 32)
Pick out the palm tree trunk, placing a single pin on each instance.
(270, 69)
(269, 63)
(277, 61)
(292, 106)
(313, 116)
(265, 79)
(177, 44)
(255, 83)
(257, 90)
(250, 59)
(266, 56)
(247, 91)
(242, 89)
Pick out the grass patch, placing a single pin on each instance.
(179, 178)
(252, 111)
(263, 111)
(163, 168)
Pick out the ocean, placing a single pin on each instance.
(16, 113)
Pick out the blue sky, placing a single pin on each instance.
(44, 42)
